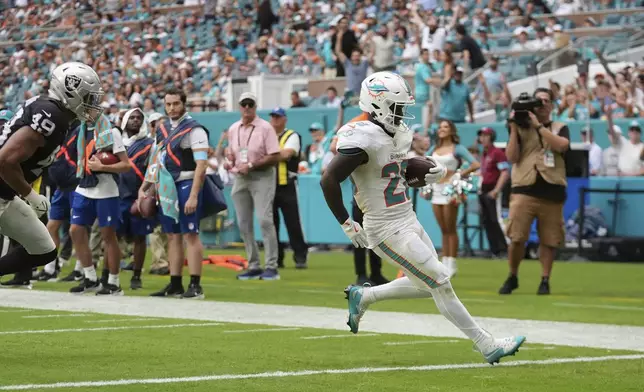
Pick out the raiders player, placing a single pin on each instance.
(28, 144)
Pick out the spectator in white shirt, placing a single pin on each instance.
(629, 150)
(610, 156)
(594, 151)
(433, 36)
(522, 43)
(542, 41)
(332, 98)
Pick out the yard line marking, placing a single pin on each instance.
(413, 342)
(37, 331)
(339, 336)
(16, 310)
(123, 320)
(591, 335)
(261, 330)
(281, 374)
(56, 315)
(483, 300)
(611, 307)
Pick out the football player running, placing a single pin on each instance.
(28, 144)
(372, 149)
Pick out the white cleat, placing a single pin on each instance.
(496, 349)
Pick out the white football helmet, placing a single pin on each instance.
(387, 96)
(79, 88)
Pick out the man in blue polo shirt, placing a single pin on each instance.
(455, 95)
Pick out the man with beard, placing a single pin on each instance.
(135, 228)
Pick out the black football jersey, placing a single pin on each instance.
(46, 116)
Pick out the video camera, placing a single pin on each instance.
(523, 104)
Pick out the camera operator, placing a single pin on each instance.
(536, 149)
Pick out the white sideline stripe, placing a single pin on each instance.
(313, 291)
(339, 336)
(16, 310)
(280, 374)
(538, 348)
(124, 320)
(413, 342)
(56, 315)
(261, 330)
(610, 307)
(36, 331)
(604, 336)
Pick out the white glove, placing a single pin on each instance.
(455, 177)
(39, 203)
(436, 173)
(354, 231)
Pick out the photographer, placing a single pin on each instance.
(536, 149)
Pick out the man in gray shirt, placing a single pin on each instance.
(355, 68)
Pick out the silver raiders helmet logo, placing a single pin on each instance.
(72, 82)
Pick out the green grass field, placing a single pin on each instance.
(169, 351)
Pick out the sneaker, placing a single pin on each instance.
(544, 287)
(270, 274)
(110, 289)
(169, 291)
(85, 286)
(74, 276)
(301, 265)
(377, 280)
(250, 274)
(496, 349)
(17, 283)
(353, 294)
(510, 284)
(194, 292)
(47, 277)
(135, 284)
(128, 267)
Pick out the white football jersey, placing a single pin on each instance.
(381, 189)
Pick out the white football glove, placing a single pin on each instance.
(356, 234)
(39, 203)
(436, 173)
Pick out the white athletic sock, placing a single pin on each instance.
(396, 289)
(50, 268)
(452, 308)
(90, 273)
(78, 267)
(114, 279)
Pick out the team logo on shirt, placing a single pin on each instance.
(72, 82)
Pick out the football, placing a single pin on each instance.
(107, 158)
(134, 210)
(148, 207)
(417, 167)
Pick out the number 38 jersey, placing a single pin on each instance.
(49, 118)
(381, 189)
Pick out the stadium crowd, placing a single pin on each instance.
(140, 49)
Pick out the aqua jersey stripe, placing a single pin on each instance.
(408, 266)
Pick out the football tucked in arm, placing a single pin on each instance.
(417, 167)
(107, 158)
(148, 207)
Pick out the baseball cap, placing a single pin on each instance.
(587, 130)
(316, 126)
(154, 116)
(635, 126)
(6, 114)
(617, 129)
(247, 95)
(486, 131)
(278, 111)
(459, 69)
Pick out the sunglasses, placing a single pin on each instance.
(247, 104)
